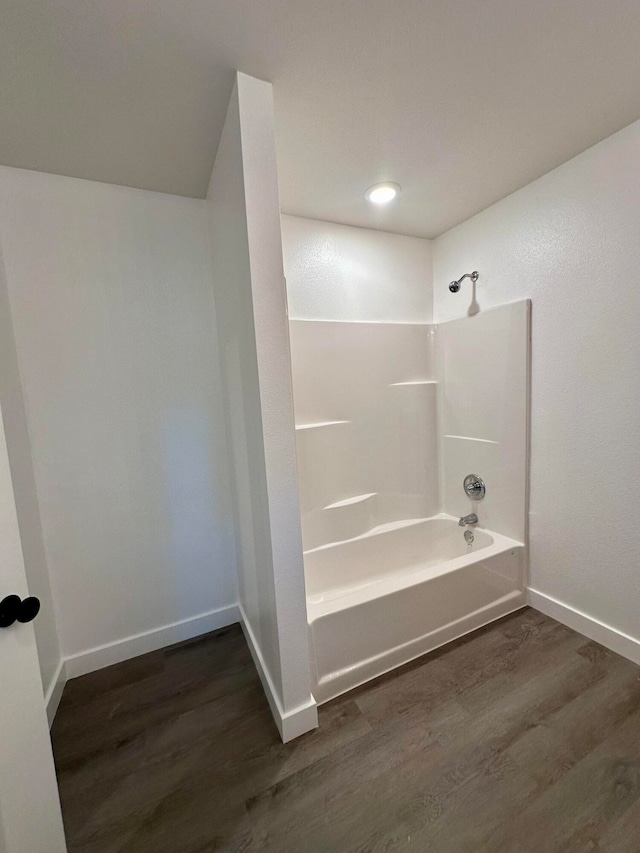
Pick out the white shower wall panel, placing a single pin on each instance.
(482, 411)
(365, 404)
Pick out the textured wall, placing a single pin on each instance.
(335, 272)
(569, 241)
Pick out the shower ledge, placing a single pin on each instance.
(320, 424)
(413, 383)
(352, 500)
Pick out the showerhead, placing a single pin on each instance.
(454, 287)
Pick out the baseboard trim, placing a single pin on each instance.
(291, 724)
(149, 641)
(592, 628)
(54, 694)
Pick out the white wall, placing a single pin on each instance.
(254, 346)
(335, 272)
(111, 295)
(25, 495)
(570, 242)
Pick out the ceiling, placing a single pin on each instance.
(459, 101)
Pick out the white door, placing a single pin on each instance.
(30, 819)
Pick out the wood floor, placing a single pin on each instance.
(523, 737)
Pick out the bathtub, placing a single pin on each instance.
(402, 589)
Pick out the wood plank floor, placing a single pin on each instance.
(522, 738)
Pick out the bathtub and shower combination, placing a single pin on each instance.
(400, 590)
(395, 424)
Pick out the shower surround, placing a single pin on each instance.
(390, 417)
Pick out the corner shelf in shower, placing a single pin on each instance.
(472, 438)
(352, 500)
(415, 383)
(320, 424)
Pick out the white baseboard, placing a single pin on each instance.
(149, 641)
(291, 724)
(592, 628)
(54, 694)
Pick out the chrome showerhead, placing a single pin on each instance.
(454, 287)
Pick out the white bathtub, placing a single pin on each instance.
(403, 589)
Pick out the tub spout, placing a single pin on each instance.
(468, 519)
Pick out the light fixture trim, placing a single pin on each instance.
(383, 193)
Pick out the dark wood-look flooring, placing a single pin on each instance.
(522, 738)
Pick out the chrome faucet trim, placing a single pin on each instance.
(472, 518)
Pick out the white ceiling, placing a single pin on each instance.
(459, 101)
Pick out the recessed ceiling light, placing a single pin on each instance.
(382, 193)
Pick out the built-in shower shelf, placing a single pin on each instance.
(356, 499)
(411, 384)
(320, 424)
(472, 438)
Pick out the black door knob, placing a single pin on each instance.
(12, 609)
(9, 608)
(29, 609)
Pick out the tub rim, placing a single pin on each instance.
(388, 584)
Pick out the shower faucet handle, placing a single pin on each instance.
(474, 487)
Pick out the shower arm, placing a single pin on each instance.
(454, 287)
